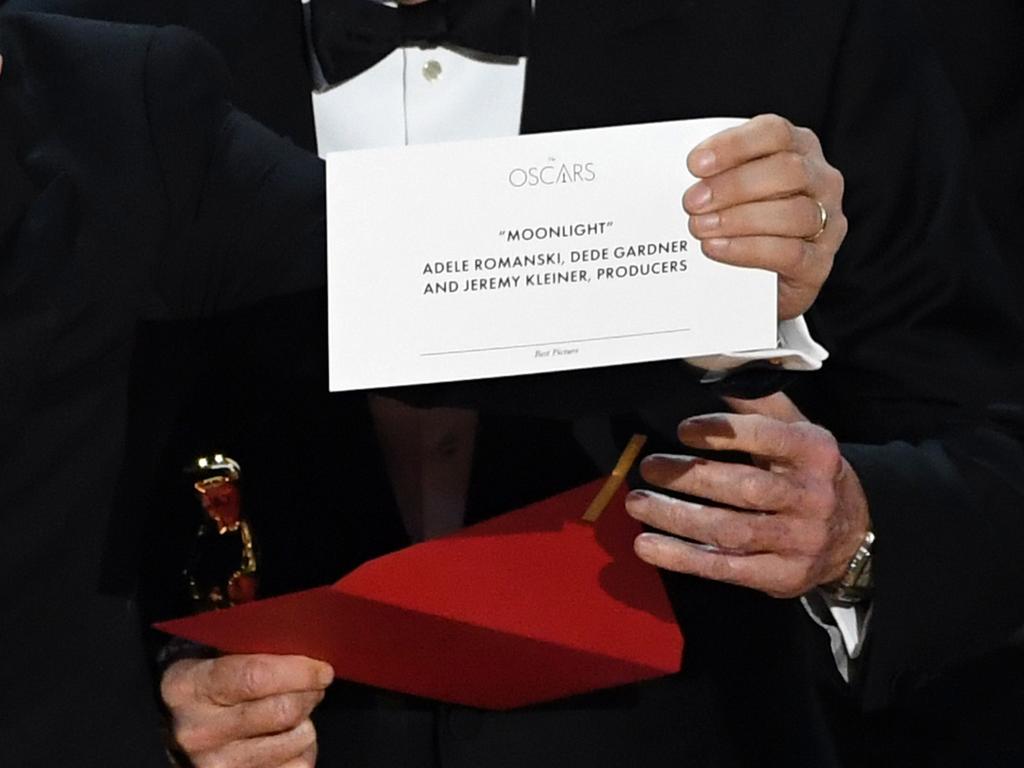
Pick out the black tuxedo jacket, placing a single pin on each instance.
(132, 190)
(982, 56)
(914, 314)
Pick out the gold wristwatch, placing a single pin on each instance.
(856, 584)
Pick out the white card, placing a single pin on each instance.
(530, 254)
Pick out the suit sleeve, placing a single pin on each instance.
(924, 382)
(246, 208)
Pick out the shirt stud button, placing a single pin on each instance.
(432, 71)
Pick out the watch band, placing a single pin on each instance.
(856, 584)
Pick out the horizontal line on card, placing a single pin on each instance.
(553, 343)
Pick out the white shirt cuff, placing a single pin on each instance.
(796, 351)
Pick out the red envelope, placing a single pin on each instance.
(530, 606)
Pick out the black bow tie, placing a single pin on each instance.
(350, 36)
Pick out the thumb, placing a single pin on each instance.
(775, 406)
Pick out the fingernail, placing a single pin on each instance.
(672, 462)
(325, 675)
(702, 162)
(635, 505)
(648, 460)
(707, 222)
(693, 422)
(645, 543)
(686, 427)
(702, 427)
(698, 197)
(716, 246)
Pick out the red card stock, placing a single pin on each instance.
(527, 607)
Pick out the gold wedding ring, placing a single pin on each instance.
(824, 223)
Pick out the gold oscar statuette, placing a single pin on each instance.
(222, 570)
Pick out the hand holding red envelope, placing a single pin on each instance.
(531, 606)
